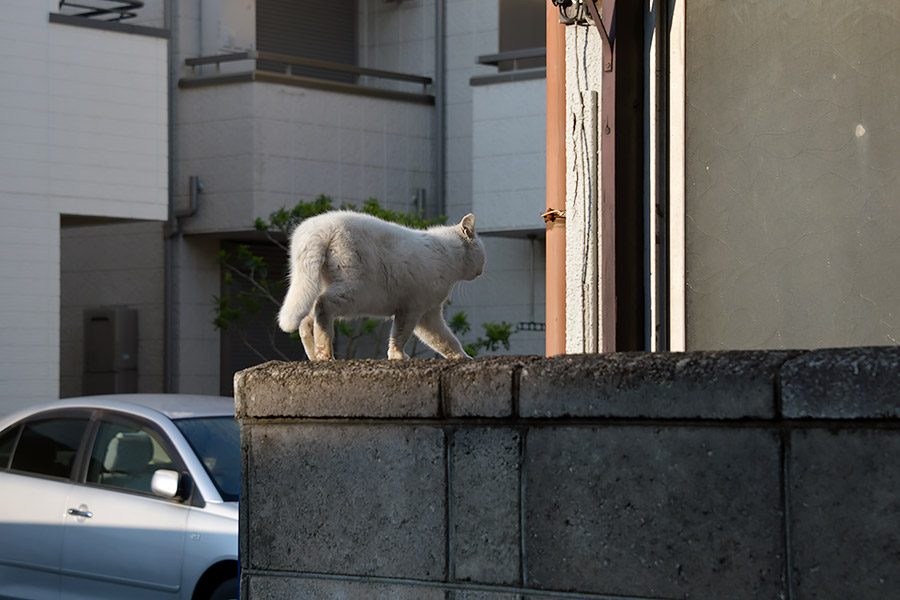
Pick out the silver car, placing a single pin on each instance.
(120, 496)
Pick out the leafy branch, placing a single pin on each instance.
(495, 334)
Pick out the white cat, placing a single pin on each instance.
(345, 264)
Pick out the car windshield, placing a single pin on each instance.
(216, 440)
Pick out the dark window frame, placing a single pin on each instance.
(16, 430)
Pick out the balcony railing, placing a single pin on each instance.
(308, 72)
(515, 65)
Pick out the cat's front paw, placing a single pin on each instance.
(323, 353)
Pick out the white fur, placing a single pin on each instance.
(346, 264)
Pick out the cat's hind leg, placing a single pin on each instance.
(307, 336)
(401, 331)
(323, 328)
(433, 330)
(329, 305)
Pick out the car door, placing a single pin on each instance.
(35, 469)
(120, 540)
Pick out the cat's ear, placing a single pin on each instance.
(467, 226)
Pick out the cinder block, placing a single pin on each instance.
(298, 588)
(484, 500)
(352, 388)
(482, 387)
(844, 514)
(654, 512)
(482, 595)
(709, 385)
(365, 499)
(845, 383)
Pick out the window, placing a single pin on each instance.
(49, 447)
(308, 29)
(126, 456)
(216, 440)
(522, 27)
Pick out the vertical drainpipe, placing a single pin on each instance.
(556, 184)
(440, 96)
(170, 362)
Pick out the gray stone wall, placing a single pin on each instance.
(698, 475)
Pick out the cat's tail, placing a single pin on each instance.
(307, 259)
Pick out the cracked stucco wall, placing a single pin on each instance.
(792, 173)
(583, 269)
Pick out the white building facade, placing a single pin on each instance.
(138, 151)
(83, 138)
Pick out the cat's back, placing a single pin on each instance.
(354, 223)
(369, 235)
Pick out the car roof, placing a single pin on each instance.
(174, 406)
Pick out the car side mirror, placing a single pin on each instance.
(165, 483)
(170, 484)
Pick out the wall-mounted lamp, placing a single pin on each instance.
(573, 11)
(570, 11)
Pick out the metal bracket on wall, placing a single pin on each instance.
(553, 214)
(608, 34)
(572, 11)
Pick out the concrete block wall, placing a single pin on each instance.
(698, 475)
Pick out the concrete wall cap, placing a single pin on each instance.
(842, 383)
(713, 385)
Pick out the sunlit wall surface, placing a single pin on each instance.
(792, 171)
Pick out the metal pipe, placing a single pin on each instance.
(440, 103)
(555, 340)
(661, 149)
(607, 213)
(170, 327)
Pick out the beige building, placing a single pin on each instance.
(767, 175)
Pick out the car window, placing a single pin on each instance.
(125, 456)
(7, 440)
(216, 440)
(49, 447)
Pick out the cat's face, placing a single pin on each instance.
(476, 257)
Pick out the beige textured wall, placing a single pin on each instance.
(793, 173)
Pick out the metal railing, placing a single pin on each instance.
(297, 70)
(514, 65)
(514, 60)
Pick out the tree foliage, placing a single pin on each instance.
(251, 289)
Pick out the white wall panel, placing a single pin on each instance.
(83, 130)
